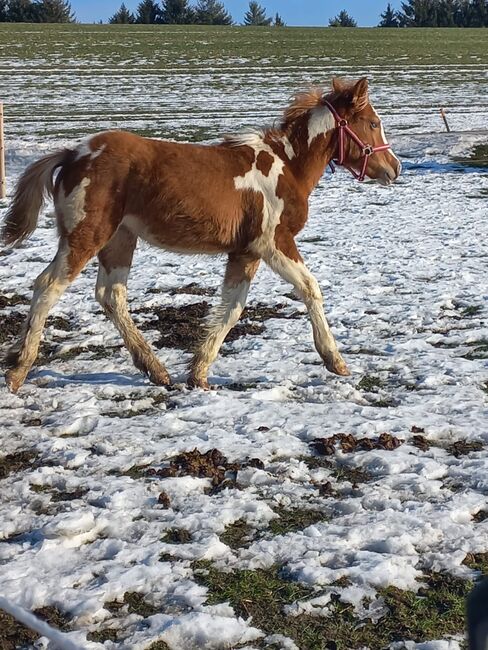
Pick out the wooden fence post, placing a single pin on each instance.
(3, 183)
(443, 115)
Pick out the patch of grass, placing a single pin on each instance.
(472, 310)
(14, 635)
(352, 475)
(193, 289)
(100, 636)
(237, 534)
(436, 611)
(290, 521)
(477, 561)
(158, 645)
(479, 350)
(14, 299)
(477, 158)
(135, 472)
(464, 447)
(17, 462)
(177, 536)
(369, 384)
(59, 495)
(135, 604)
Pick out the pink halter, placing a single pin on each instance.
(367, 149)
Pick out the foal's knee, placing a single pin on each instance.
(310, 291)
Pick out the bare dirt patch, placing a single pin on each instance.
(348, 443)
(14, 635)
(183, 327)
(17, 462)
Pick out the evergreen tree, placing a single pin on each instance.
(20, 11)
(419, 13)
(122, 17)
(147, 12)
(53, 11)
(479, 13)
(256, 15)
(176, 12)
(389, 17)
(343, 19)
(212, 12)
(446, 10)
(278, 21)
(462, 13)
(3, 11)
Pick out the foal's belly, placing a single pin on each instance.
(177, 235)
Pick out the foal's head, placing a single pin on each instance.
(364, 148)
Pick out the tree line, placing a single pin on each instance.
(413, 13)
(437, 13)
(181, 12)
(426, 13)
(37, 11)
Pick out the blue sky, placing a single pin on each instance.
(294, 12)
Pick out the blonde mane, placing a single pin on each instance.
(302, 103)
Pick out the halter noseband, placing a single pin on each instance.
(366, 149)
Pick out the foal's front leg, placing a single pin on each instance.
(288, 263)
(240, 270)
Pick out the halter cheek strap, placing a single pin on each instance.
(367, 149)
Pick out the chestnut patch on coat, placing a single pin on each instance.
(264, 162)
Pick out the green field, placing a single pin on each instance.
(62, 81)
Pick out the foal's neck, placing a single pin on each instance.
(313, 152)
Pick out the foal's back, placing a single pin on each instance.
(178, 196)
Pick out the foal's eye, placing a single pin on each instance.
(374, 125)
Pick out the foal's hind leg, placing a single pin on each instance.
(238, 275)
(48, 288)
(115, 262)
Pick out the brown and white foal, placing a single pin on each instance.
(246, 197)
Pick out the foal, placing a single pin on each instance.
(246, 197)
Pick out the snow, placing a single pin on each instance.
(398, 267)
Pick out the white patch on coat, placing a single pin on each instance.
(84, 149)
(382, 131)
(273, 206)
(106, 282)
(137, 227)
(72, 206)
(320, 121)
(289, 150)
(220, 321)
(249, 138)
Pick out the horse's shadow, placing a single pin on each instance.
(53, 379)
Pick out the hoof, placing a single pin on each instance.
(160, 379)
(14, 380)
(194, 382)
(338, 366)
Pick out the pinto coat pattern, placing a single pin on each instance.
(246, 197)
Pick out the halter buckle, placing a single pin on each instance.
(368, 150)
(342, 122)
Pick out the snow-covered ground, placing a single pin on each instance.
(404, 274)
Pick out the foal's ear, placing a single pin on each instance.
(359, 93)
(338, 84)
